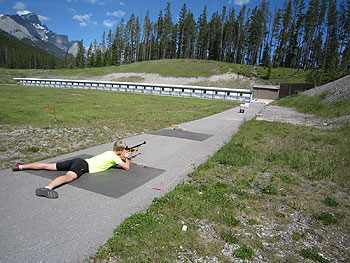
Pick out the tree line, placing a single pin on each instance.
(294, 36)
(16, 54)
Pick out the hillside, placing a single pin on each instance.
(177, 71)
(335, 90)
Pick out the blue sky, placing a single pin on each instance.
(87, 19)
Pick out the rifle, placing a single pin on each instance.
(131, 150)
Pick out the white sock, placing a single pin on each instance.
(47, 187)
(20, 167)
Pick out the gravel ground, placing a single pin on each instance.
(337, 90)
(158, 79)
(27, 144)
(286, 115)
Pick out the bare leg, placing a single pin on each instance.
(67, 178)
(40, 166)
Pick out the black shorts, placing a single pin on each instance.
(77, 165)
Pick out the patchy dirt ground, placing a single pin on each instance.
(27, 144)
(286, 115)
(158, 79)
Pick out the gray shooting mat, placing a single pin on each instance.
(182, 134)
(114, 182)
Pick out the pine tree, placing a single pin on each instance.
(190, 35)
(203, 38)
(241, 36)
(284, 34)
(257, 33)
(230, 36)
(181, 33)
(90, 57)
(214, 37)
(311, 34)
(80, 57)
(98, 57)
(159, 35)
(332, 41)
(167, 37)
(147, 38)
(276, 27)
(344, 35)
(118, 45)
(222, 24)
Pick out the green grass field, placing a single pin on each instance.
(20, 105)
(85, 118)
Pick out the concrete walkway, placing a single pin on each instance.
(72, 227)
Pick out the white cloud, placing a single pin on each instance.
(241, 2)
(43, 18)
(118, 13)
(121, 3)
(109, 23)
(23, 12)
(19, 6)
(85, 19)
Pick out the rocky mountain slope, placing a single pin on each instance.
(28, 28)
(336, 90)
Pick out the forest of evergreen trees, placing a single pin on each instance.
(298, 35)
(16, 54)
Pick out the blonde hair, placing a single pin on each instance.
(119, 146)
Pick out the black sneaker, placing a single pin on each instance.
(51, 194)
(15, 167)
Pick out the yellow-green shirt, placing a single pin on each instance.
(102, 161)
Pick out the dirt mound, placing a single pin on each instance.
(337, 90)
(158, 79)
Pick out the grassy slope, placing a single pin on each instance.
(316, 105)
(173, 68)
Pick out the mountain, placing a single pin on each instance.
(28, 28)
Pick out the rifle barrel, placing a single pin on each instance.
(129, 148)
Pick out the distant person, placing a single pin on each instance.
(76, 167)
